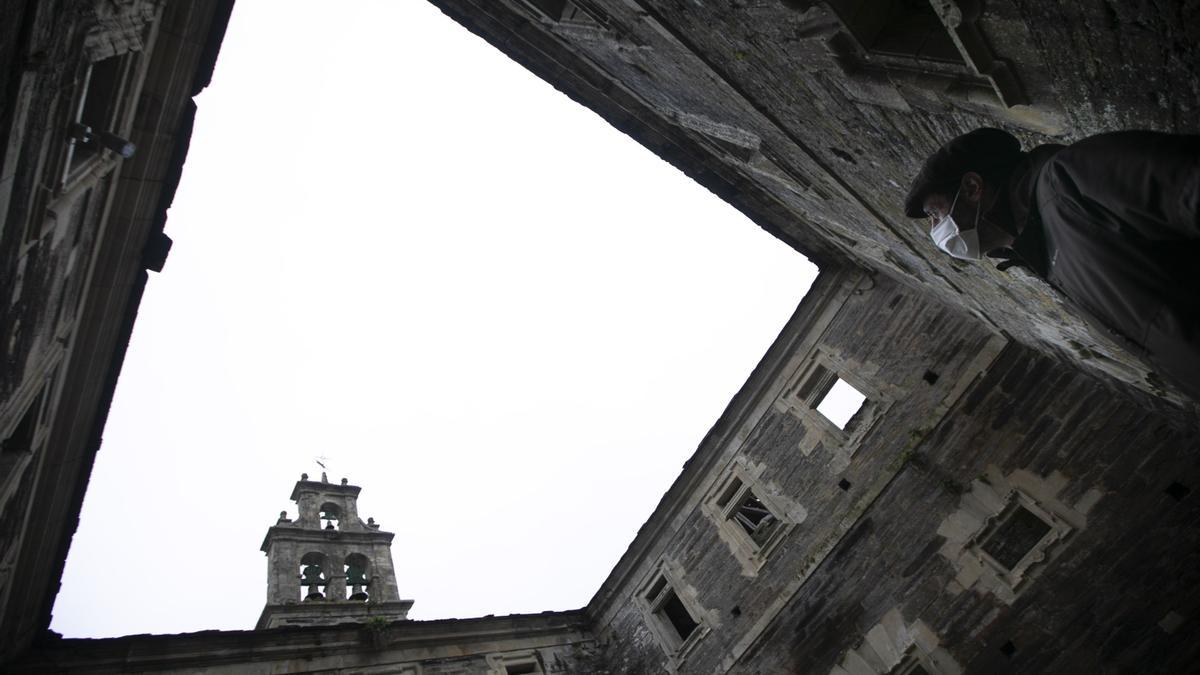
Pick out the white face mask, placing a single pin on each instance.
(946, 236)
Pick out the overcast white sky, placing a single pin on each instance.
(505, 320)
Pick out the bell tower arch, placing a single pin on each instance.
(327, 566)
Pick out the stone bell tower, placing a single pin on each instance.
(328, 567)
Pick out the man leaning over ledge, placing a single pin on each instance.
(1110, 221)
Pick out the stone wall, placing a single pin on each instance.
(774, 107)
(556, 642)
(884, 563)
(890, 344)
(79, 228)
(1108, 599)
(1015, 495)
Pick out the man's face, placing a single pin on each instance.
(938, 206)
(965, 199)
(971, 209)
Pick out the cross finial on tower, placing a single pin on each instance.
(321, 460)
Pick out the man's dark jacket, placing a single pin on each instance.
(1113, 222)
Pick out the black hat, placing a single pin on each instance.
(985, 151)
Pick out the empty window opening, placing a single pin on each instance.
(839, 402)
(357, 581)
(677, 614)
(19, 442)
(844, 484)
(1014, 534)
(331, 516)
(12, 516)
(930, 377)
(670, 612)
(313, 576)
(1177, 491)
(97, 108)
(907, 29)
(529, 668)
(740, 505)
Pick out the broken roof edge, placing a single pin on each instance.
(164, 652)
(586, 84)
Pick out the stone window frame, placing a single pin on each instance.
(125, 31)
(499, 663)
(911, 660)
(31, 418)
(800, 401)
(897, 647)
(1013, 578)
(965, 529)
(980, 68)
(750, 554)
(116, 109)
(128, 39)
(676, 649)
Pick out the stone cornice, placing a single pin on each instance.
(319, 486)
(142, 653)
(292, 533)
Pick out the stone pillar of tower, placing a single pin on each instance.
(328, 567)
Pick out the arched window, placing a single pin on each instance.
(357, 568)
(331, 516)
(314, 575)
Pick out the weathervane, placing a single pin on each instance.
(320, 460)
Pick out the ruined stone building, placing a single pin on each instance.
(1013, 494)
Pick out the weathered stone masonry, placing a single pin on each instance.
(1016, 494)
(779, 109)
(885, 536)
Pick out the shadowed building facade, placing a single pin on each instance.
(1014, 492)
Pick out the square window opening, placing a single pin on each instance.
(98, 106)
(530, 668)
(907, 29)
(755, 518)
(840, 402)
(1015, 533)
(672, 620)
(677, 616)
